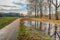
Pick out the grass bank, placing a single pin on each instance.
(6, 20)
(31, 34)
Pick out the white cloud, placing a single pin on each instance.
(10, 3)
(6, 2)
(21, 1)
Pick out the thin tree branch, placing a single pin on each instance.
(58, 6)
(53, 3)
(52, 35)
(58, 35)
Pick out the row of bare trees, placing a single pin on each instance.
(44, 6)
(37, 6)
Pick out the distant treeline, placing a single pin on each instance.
(11, 15)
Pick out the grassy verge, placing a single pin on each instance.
(6, 20)
(31, 34)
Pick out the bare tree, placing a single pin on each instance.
(49, 5)
(33, 6)
(56, 5)
(41, 12)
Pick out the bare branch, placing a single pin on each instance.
(53, 3)
(58, 6)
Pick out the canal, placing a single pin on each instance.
(45, 28)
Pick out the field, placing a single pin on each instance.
(5, 21)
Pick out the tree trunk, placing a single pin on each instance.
(49, 29)
(55, 31)
(40, 26)
(41, 14)
(49, 16)
(56, 12)
(35, 16)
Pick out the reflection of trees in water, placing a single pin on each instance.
(54, 29)
(58, 32)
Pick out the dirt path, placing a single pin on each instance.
(10, 31)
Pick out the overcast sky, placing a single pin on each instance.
(19, 7)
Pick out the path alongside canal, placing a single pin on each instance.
(10, 31)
